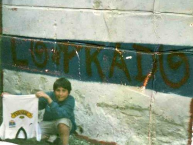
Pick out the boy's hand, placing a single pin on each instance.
(4, 93)
(44, 95)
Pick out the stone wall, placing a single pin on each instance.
(129, 62)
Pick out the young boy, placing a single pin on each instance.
(59, 110)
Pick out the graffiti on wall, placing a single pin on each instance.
(134, 64)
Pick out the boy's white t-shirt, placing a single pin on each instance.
(20, 116)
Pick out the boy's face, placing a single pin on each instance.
(61, 94)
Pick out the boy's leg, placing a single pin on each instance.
(64, 133)
(64, 127)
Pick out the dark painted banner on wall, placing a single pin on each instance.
(157, 67)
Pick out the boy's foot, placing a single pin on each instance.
(57, 141)
(51, 139)
(54, 140)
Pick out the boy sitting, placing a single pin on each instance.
(59, 111)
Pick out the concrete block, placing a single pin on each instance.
(79, 61)
(78, 24)
(91, 25)
(170, 112)
(170, 119)
(174, 29)
(129, 5)
(126, 64)
(174, 6)
(174, 71)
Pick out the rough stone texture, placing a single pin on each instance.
(118, 113)
(169, 119)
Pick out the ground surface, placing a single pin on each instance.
(73, 141)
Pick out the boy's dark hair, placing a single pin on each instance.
(64, 83)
